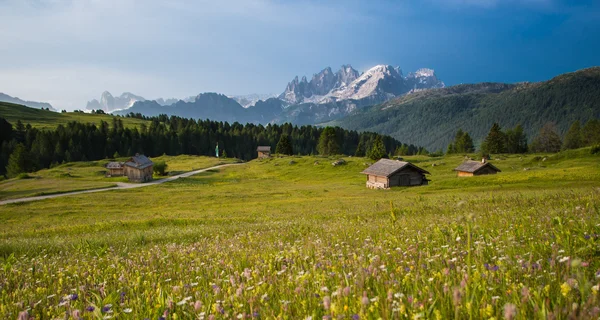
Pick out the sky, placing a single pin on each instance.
(68, 52)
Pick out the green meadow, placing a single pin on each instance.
(295, 237)
(43, 119)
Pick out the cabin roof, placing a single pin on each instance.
(387, 167)
(474, 166)
(114, 165)
(139, 162)
(263, 149)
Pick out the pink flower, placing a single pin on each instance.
(198, 305)
(510, 311)
(326, 302)
(365, 299)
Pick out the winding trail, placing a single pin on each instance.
(120, 186)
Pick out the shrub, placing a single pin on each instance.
(160, 168)
(22, 176)
(595, 149)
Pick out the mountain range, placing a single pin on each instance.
(327, 96)
(431, 118)
(31, 104)
(417, 108)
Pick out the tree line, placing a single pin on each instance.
(27, 149)
(514, 140)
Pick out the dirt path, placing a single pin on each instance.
(120, 185)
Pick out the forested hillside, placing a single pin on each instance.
(25, 148)
(431, 118)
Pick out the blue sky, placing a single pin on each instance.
(69, 52)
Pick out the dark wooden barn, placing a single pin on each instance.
(471, 168)
(386, 173)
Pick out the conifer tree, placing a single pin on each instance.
(377, 150)
(573, 138)
(516, 140)
(19, 161)
(284, 146)
(328, 144)
(495, 141)
(547, 140)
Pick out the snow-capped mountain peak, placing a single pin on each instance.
(379, 83)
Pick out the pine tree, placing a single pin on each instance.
(495, 141)
(18, 162)
(547, 140)
(377, 150)
(591, 132)
(284, 146)
(516, 141)
(450, 149)
(360, 149)
(328, 144)
(573, 138)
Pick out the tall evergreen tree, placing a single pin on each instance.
(284, 146)
(547, 140)
(516, 140)
(573, 138)
(19, 161)
(328, 144)
(495, 141)
(591, 132)
(377, 150)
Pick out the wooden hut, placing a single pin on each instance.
(139, 168)
(263, 152)
(115, 169)
(471, 168)
(386, 173)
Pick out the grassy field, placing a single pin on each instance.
(90, 175)
(295, 237)
(43, 119)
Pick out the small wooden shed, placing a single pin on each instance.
(471, 168)
(139, 168)
(263, 152)
(115, 169)
(386, 173)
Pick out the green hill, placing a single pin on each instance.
(44, 119)
(430, 118)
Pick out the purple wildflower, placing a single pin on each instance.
(355, 317)
(90, 308)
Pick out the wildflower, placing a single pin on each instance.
(595, 289)
(326, 302)
(106, 308)
(565, 288)
(365, 299)
(23, 315)
(510, 311)
(73, 297)
(456, 296)
(76, 314)
(90, 308)
(198, 305)
(346, 291)
(355, 317)
(127, 310)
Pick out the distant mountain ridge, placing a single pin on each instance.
(31, 104)
(430, 118)
(126, 100)
(378, 84)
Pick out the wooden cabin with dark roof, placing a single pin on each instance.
(263, 152)
(386, 173)
(471, 168)
(139, 168)
(115, 169)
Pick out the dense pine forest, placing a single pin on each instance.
(25, 148)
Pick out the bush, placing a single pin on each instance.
(22, 176)
(160, 168)
(595, 149)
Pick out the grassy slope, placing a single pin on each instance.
(48, 119)
(90, 175)
(280, 238)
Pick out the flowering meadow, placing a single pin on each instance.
(265, 241)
